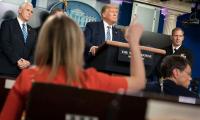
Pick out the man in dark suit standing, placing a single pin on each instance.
(17, 42)
(176, 47)
(97, 33)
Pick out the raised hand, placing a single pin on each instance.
(134, 32)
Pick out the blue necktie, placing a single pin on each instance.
(108, 36)
(24, 31)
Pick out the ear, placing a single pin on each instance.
(19, 10)
(183, 37)
(175, 73)
(171, 37)
(103, 15)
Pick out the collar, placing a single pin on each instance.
(173, 47)
(106, 24)
(20, 21)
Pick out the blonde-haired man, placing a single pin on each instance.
(97, 33)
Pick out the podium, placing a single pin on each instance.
(114, 57)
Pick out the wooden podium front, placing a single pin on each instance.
(114, 57)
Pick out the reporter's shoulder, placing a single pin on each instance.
(93, 72)
(90, 69)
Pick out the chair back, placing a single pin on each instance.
(59, 102)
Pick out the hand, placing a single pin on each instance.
(93, 50)
(134, 32)
(27, 63)
(22, 63)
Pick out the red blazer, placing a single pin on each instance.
(89, 79)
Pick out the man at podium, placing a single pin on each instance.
(98, 32)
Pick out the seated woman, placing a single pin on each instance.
(59, 60)
(176, 72)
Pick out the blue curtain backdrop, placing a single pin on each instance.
(125, 12)
(161, 23)
(34, 3)
(192, 41)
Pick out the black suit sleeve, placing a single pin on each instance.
(7, 44)
(34, 37)
(118, 35)
(88, 36)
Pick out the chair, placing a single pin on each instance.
(6, 82)
(59, 102)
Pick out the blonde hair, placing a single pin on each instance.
(54, 11)
(107, 6)
(60, 44)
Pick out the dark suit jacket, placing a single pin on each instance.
(170, 88)
(12, 46)
(181, 51)
(95, 35)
